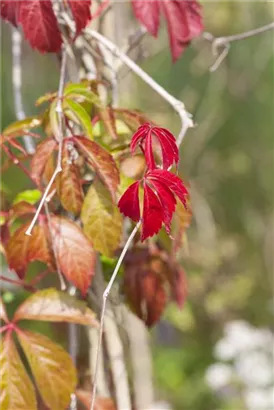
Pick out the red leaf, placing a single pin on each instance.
(74, 253)
(168, 202)
(143, 137)
(174, 183)
(152, 214)
(9, 10)
(23, 249)
(183, 20)
(41, 157)
(129, 202)
(102, 162)
(81, 13)
(148, 13)
(39, 25)
(179, 289)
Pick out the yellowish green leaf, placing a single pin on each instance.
(101, 219)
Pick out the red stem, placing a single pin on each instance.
(17, 162)
(18, 282)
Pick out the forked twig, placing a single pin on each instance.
(59, 110)
(186, 118)
(224, 43)
(105, 297)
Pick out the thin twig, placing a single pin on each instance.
(59, 110)
(105, 296)
(223, 43)
(177, 105)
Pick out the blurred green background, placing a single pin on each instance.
(228, 161)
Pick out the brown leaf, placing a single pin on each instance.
(74, 252)
(107, 117)
(53, 306)
(179, 288)
(132, 118)
(21, 208)
(144, 285)
(181, 221)
(102, 162)
(101, 403)
(3, 313)
(69, 187)
(133, 167)
(52, 368)
(17, 391)
(23, 249)
(40, 158)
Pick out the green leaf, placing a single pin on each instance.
(53, 119)
(77, 113)
(101, 219)
(81, 91)
(45, 98)
(17, 391)
(52, 368)
(20, 127)
(53, 306)
(31, 196)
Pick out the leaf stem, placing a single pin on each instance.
(105, 297)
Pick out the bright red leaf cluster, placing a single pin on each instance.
(161, 187)
(184, 21)
(39, 23)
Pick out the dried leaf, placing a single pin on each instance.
(23, 249)
(101, 161)
(69, 187)
(144, 282)
(17, 391)
(40, 158)
(101, 403)
(107, 117)
(53, 306)
(74, 252)
(182, 220)
(101, 219)
(52, 368)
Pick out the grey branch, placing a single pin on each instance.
(17, 85)
(221, 45)
(178, 106)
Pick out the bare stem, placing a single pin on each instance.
(177, 105)
(59, 110)
(105, 296)
(17, 85)
(223, 43)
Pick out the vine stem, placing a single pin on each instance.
(178, 106)
(225, 42)
(105, 297)
(59, 111)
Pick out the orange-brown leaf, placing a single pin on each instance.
(52, 368)
(23, 249)
(107, 117)
(40, 158)
(69, 186)
(21, 208)
(101, 403)
(102, 162)
(74, 253)
(17, 391)
(54, 306)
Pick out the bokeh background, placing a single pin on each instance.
(215, 353)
